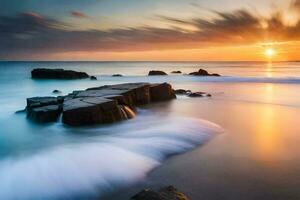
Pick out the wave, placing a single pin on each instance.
(292, 80)
(187, 78)
(104, 164)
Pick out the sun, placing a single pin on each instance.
(269, 52)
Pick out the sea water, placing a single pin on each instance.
(54, 161)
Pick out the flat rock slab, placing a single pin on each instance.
(44, 114)
(99, 105)
(43, 73)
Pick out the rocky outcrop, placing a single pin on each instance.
(168, 193)
(182, 92)
(161, 92)
(43, 109)
(99, 105)
(176, 72)
(93, 78)
(202, 72)
(43, 73)
(157, 73)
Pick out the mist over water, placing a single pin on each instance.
(53, 161)
(105, 163)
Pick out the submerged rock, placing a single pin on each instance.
(202, 72)
(56, 91)
(43, 73)
(117, 75)
(99, 105)
(157, 73)
(168, 193)
(93, 77)
(182, 92)
(199, 94)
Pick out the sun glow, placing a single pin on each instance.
(269, 52)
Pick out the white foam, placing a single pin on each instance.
(103, 165)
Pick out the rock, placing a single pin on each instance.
(182, 92)
(41, 101)
(93, 77)
(199, 94)
(214, 74)
(202, 72)
(43, 109)
(168, 193)
(91, 110)
(43, 73)
(56, 91)
(48, 113)
(157, 73)
(176, 72)
(161, 92)
(20, 111)
(98, 105)
(117, 75)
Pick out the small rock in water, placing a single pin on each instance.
(168, 193)
(176, 72)
(93, 77)
(202, 72)
(182, 91)
(56, 91)
(157, 73)
(117, 75)
(199, 94)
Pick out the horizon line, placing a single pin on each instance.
(266, 61)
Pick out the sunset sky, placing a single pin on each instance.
(150, 30)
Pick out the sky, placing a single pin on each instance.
(138, 30)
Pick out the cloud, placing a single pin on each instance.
(78, 14)
(28, 34)
(295, 4)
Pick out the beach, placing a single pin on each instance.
(242, 143)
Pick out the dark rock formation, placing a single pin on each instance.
(43, 109)
(93, 78)
(168, 193)
(157, 73)
(56, 91)
(176, 72)
(182, 91)
(91, 110)
(199, 94)
(161, 92)
(117, 75)
(202, 72)
(99, 105)
(43, 73)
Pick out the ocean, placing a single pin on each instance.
(250, 119)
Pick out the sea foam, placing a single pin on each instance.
(104, 164)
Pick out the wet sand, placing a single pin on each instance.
(256, 158)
